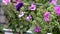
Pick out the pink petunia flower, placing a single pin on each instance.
(53, 2)
(37, 29)
(6, 2)
(57, 9)
(29, 18)
(47, 16)
(32, 7)
(21, 14)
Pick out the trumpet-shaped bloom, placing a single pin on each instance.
(47, 16)
(18, 6)
(37, 29)
(32, 7)
(57, 9)
(6, 2)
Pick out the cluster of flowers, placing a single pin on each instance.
(57, 8)
(33, 7)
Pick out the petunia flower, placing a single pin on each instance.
(57, 9)
(37, 29)
(47, 16)
(29, 18)
(21, 14)
(32, 7)
(6, 2)
(53, 2)
(18, 6)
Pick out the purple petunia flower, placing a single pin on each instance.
(32, 7)
(57, 9)
(18, 6)
(47, 16)
(29, 18)
(21, 14)
(53, 2)
(37, 29)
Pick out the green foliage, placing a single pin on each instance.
(1, 29)
(19, 24)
